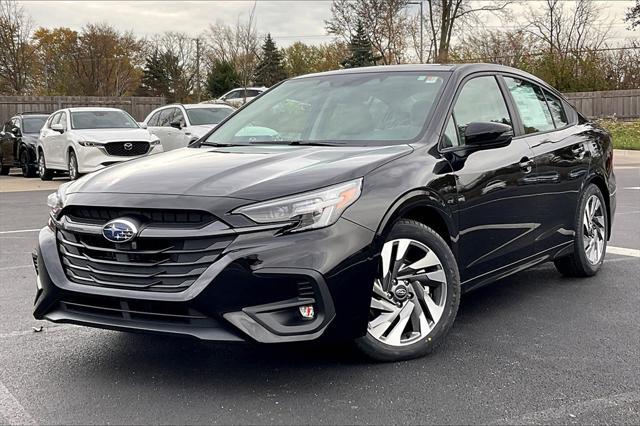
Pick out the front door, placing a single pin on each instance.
(496, 215)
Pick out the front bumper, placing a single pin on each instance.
(251, 292)
(91, 159)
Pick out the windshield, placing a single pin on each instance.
(200, 116)
(102, 120)
(337, 109)
(33, 124)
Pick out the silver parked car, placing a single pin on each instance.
(178, 125)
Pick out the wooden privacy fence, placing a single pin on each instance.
(138, 107)
(623, 104)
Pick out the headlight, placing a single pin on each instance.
(154, 142)
(55, 201)
(311, 210)
(90, 144)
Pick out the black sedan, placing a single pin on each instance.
(356, 204)
(18, 140)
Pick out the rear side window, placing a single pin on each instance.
(480, 100)
(557, 110)
(531, 105)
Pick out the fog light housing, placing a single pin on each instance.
(307, 312)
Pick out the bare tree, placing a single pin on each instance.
(237, 45)
(444, 16)
(387, 23)
(18, 57)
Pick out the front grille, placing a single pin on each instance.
(155, 217)
(145, 264)
(135, 310)
(127, 149)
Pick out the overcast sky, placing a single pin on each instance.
(287, 21)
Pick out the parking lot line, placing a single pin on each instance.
(20, 231)
(623, 251)
(11, 409)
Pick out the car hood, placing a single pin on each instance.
(201, 129)
(248, 172)
(112, 135)
(30, 138)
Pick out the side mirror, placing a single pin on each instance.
(142, 125)
(487, 135)
(15, 131)
(57, 128)
(176, 124)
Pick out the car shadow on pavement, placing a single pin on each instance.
(497, 308)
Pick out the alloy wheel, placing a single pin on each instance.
(594, 230)
(73, 167)
(410, 294)
(24, 163)
(41, 165)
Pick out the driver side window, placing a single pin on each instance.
(480, 100)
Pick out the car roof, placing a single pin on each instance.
(457, 68)
(201, 105)
(263, 88)
(78, 109)
(33, 113)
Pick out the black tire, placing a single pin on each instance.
(4, 170)
(28, 170)
(45, 174)
(577, 264)
(72, 166)
(411, 229)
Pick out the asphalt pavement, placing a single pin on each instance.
(531, 348)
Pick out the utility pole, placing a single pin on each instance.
(198, 69)
(420, 3)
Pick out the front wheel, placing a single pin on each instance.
(45, 174)
(415, 297)
(590, 240)
(73, 166)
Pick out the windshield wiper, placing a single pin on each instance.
(223, 145)
(301, 143)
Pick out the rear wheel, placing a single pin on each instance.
(415, 297)
(4, 170)
(27, 169)
(590, 241)
(45, 174)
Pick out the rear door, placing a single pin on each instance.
(496, 216)
(561, 156)
(6, 143)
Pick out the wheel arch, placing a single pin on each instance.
(424, 206)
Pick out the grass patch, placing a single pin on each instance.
(625, 134)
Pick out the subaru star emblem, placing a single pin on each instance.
(119, 231)
(128, 146)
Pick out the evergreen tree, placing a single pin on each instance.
(361, 50)
(270, 69)
(222, 78)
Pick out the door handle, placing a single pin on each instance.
(526, 164)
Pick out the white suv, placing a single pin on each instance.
(178, 125)
(83, 140)
(238, 97)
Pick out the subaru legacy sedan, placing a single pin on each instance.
(352, 205)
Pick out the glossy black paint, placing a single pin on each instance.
(501, 209)
(13, 143)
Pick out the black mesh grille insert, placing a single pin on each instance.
(100, 215)
(127, 149)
